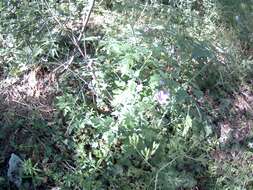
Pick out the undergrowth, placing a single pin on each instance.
(141, 96)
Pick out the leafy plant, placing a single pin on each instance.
(137, 102)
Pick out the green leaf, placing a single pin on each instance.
(154, 81)
(208, 130)
(187, 125)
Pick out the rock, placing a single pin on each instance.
(15, 170)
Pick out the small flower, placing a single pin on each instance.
(162, 96)
(237, 18)
(139, 87)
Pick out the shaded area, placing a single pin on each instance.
(238, 16)
(26, 113)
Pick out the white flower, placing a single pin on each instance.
(139, 87)
(237, 18)
(162, 96)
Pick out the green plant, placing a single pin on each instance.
(138, 101)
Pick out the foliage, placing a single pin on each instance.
(134, 113)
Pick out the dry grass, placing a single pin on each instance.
(31, 94)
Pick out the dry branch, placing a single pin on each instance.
(77, 41)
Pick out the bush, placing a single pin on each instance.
(137, 100)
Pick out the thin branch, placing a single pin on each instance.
(162, 168)
(85, 21)
(77, 41)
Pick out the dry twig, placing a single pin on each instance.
(77, 41)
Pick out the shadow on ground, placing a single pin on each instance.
(28, 128)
